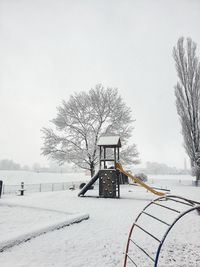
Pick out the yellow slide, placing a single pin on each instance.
(138, 181)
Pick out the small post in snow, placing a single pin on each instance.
(21, 190)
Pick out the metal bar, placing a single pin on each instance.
(168, 230)
(132, 260)
(104, 155)
(133, 225)
(188, 204)
(147, 232)
(115, 155)
(100, 152)
(182, 198)
(107, 160)
(142, 250)
(150, 215)
(163, 189)
(163, 206)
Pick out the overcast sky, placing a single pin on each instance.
(50, 49)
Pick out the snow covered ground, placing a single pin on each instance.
(99, 241)
(22, 223)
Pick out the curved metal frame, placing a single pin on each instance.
(193, 206)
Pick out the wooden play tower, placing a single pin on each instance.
(109, 180)
(110, 176)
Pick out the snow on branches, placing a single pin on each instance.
(187, 92)
(82, 120)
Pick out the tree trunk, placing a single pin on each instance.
(197, 178)
(197, 175)
(92, 170)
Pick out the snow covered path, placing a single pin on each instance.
(99, 241)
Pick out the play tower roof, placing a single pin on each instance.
(109, 141)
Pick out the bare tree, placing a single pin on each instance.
(81, 121)
(187, 93)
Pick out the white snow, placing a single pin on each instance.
(101, 240)
(21, 223)
(30, 177)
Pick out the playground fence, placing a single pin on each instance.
(42, 187)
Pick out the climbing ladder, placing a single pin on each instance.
(176, 206)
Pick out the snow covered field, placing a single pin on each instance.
(99, 241)
(29, 177)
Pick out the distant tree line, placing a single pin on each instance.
(7, 164)
(161, 168)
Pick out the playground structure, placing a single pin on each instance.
(111, 173)
(168, 204)
(109, 177)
